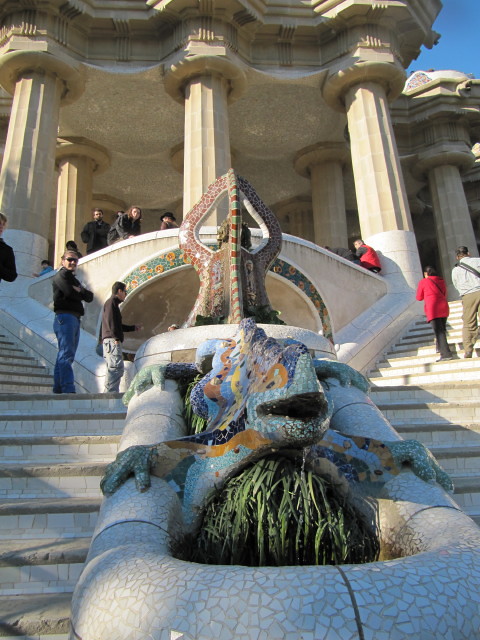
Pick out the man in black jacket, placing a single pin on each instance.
(95, 232)
(112, 336)
(68, 294)
(8, 269)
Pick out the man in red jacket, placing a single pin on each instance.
(368, 256)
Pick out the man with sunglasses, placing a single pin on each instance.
(68, 297)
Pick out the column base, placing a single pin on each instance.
(29, 248)
(398, 253)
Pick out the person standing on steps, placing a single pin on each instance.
(466, 280)
(94, 233)
(68, 297)
(433, 291)
(112, 336)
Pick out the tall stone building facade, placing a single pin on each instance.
(146, 102)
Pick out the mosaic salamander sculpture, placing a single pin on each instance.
(260, 396)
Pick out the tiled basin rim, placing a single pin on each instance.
(132, 588)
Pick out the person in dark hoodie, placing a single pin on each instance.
(8, 269)
(68, 297)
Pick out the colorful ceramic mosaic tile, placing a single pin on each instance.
(175, 258)
(417, 79)
(232, 279)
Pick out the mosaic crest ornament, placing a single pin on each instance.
(232, 277)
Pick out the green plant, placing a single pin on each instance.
(275, 513)
(194, 423)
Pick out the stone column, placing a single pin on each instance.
(442, 163)
(323, 163)
(77, 161)
(299, 213)
(363, 90)
(40, 83)
(205, 85)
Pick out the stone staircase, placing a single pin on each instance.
(437, 403)
(53, 451)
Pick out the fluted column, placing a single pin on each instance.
(323, 163)
(77, 161)
(362, 93)
(39, 83)
(363, 89)
(443, 163)
(205, 85)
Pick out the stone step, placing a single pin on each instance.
(458, 459)
(425, 331)
(51, 479)
(453, 391)
(436, 433)
(72, 448)
(26, 386)
(439, 373)
(20, 367)
(36, 403)
(39, 578)
(11, 349)
(22, 377)
(467, 491)
(19, 360)
(16, 553)
(107, 423)
(422, 349)
(425, 412)
(399, 360)
(23, 518)
(33, 617)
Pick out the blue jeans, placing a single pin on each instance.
(67, 330)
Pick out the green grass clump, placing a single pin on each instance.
(275, 513)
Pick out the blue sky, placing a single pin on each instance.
(459, 24)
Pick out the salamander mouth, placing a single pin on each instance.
(304, 407)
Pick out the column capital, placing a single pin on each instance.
(320, 153)
(179, 74)
(15, 64)
(455, 154)
(81, 147)
(387, 73)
